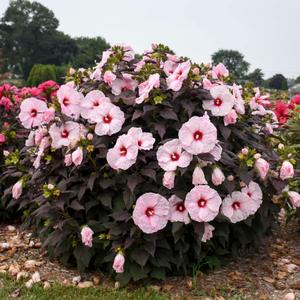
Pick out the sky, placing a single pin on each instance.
(267, 32)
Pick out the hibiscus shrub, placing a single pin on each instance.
(12, 139)
(287, 145)
(146, 167)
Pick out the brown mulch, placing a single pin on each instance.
(270, 273)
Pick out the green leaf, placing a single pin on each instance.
(137, 272)
(158, 273)
(140, 256)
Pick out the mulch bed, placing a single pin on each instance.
(269, 273)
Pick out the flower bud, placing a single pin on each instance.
(217, 176)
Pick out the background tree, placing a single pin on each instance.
(88, 50)
(297, 80)
(234, 61)
(257, 77)
(28, 35)
(278, 82)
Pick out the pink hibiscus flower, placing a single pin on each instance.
(203, 203)
(91, 102)
(69, 100)
(198, 135)
(151, 212)
(237, 207)
(170, 156)
(219, 71)
(128, 53)
(178, 212)
(222, 102)
(109, 77)
(208, 232)
(175, 80)
(207, 84)
(144, 140)
(109, 119)
(147, 86)
(125, 84)
(169, 67)
(64, 135)
(124, 154)
(98, 70)
(239, 103)
(32, 111)
(254, 192)
(259, 101)
(230, 118)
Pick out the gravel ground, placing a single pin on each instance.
(273, 272)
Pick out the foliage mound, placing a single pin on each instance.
(147, 167)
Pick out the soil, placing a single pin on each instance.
(270, 273)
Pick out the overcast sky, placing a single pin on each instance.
(267, 32)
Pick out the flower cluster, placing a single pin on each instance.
(148, 155)
(283, 110)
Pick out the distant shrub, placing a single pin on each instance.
(40, 73)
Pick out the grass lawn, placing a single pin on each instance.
(8, 286)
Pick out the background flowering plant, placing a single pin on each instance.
(287, 143)
(146, 166)
(13, 135)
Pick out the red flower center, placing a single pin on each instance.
(66, 102)
(149, 212)
(107, 119)
(249, 194)
(64, 133)
(140, 143)
(96, 103)
(123, 151)
(198, 135)
(175, 156)
(33, 113)
(180, 207)
(202, 202)
(218, 102)
(236, 205)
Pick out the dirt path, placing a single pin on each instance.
(271, 273)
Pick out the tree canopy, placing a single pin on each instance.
(88, 50)
(257, 77)
(297, 80)
(278, 82)
(29, 35)
(234, 62)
